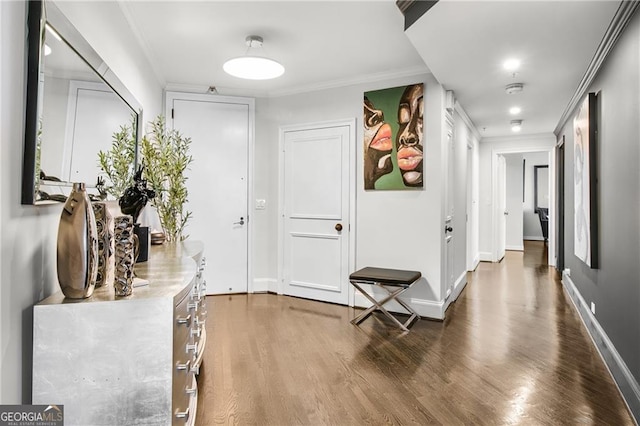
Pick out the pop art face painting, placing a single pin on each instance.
(393, 138)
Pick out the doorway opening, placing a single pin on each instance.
(523, 200)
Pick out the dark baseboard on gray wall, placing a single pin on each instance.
(621, 374)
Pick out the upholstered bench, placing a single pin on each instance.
(394, 282)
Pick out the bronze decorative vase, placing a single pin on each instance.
(103, 222)
(77, 248)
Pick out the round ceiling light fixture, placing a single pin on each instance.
(514, 88)
(516, 125)
(253, 67)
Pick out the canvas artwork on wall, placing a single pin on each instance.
(585, 213)
(393, 138)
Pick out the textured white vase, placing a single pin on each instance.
(77, 248)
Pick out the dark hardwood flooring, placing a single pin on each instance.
(512, 350)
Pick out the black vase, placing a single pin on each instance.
(142, 232)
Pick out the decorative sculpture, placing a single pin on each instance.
(132, 202)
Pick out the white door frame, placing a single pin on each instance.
(494, 197)
(351, 123)
(250, 102)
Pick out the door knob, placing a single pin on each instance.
(338, 227)
(448, 229)
(239, 223)
(506, 213)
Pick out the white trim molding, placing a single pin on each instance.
(460, 284)
(265, 285)
(515, 247)
(616, 27)
(424, 308)
(618, 369)
(485, 256)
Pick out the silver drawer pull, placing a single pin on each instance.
(195, 332)
(182, 414)
(184, 320)
(191, 391)
(193, 305)
(182, 367)
(196, 370)
(193, 348)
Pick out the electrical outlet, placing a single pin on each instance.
(593, 308)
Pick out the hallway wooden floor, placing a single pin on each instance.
(512, 350)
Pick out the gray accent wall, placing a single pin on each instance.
(614, 286)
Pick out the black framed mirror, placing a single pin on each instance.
(74, 105)
(541, 187)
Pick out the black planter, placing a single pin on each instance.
(142, 232)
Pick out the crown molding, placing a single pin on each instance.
(142, 41)
(525, 138)
(623, 15)
(467, 120)
(361, 79)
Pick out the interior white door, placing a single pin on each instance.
(316, 205)
(95, 114)
(218, 188)
(502, 208)
(449, 248)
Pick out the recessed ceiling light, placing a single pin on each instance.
(514, 110)
(511, 64)
(516, 125)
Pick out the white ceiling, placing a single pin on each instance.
(333, 43)
(465, 43)
(320, 43)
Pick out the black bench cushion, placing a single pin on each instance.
(396, 277)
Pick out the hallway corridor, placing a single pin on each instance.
(512, 350)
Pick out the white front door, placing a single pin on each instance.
(502, 207)
(316, 208)
(220, 132)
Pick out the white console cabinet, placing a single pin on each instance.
(131, 360)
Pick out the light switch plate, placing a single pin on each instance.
(261, 204)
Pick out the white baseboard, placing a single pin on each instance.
(533, 238)
(424, 308)
(485, 256)
(460, 284)
(618, 369)
(263, 285)
(516, 248)
(474, 263)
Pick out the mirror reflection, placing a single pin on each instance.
(78, 113)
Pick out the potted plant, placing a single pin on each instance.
(165, 155)
(118, 162)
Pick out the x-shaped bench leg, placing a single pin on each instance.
(377, 305)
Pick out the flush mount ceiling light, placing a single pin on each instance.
(251, 66)
(516, 125)
(514, 110)
(514, 88)
(511, 64)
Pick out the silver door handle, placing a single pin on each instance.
(239, 223)
(506, 213)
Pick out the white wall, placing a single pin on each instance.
(532, 229)
(28, 234)
(407, 232)
(514, 220)
(488, 147)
